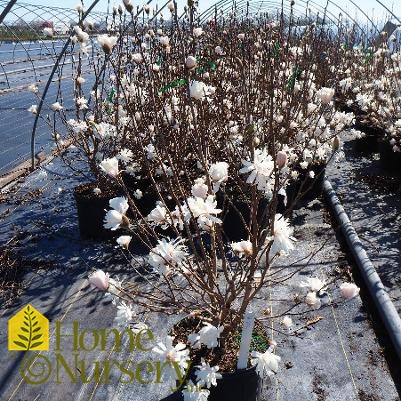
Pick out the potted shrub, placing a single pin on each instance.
(214, 150)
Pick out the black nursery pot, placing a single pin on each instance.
(91, 212)
(148, 201)
(305, 189)
(234, 215)
(389, 159)
(241, 385)
(368, 143)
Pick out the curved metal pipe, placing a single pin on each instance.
(7, 9)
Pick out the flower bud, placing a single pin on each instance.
(99, 279)
(124, 241)
(190, 62)
(336, 143)
(281, 159)
(349, 290)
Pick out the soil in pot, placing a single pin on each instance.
(91, 210)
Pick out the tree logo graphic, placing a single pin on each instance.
(28, 330)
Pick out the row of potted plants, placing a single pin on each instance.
(200, 140)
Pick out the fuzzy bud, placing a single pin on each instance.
(281, 159)
(190, 62)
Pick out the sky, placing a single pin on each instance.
(372, 8)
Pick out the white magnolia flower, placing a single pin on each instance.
(312, 300)
(150, 151)
(190, 393)
(242, 248)
(164, 41)
(219, 50)
(261, 170)
(241, 36)
(266, 363)
(33, 88)
(106, 130)
(218, 173)
(190, 62)
(205, 211)
(286, 322)
(80, 35)
(199, 189)
(33, 109)
(116, 218)
(97, 191)
(282, 236)
(125, 155)
(124, 240)
(110, 166)
(48, 32)
(107, 42)
(56, 106)
(349, 290)
(197, 32)
(171, 6)
(82, 103)
(169, 353)
(138, 194)
(325, 95)
(207, 375)
(80, 80)
(137, 58)
(125, 314)
(199, 90)
(209, 335)
(168, 254)
(193, 339)
(313, 284)
(304, 165)
(100, 280)
(159, 217)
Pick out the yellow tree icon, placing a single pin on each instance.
(28, 330)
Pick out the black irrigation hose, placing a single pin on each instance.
(385, 306)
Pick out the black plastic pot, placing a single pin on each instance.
(91, 210)
(241, 385)
(370, 142)
(366, 144)
(236, 217)
(305, 188)
(389, 159)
